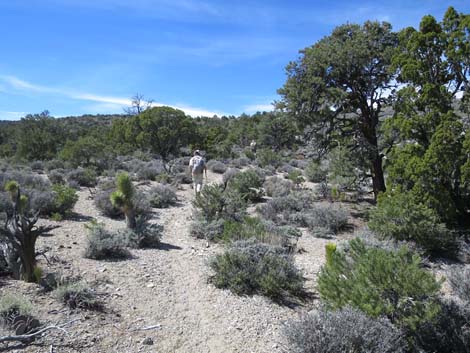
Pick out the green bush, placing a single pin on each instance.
(209, 230)
(343, 331)
(296, 177)
(277, 187)
(65, 198)
(248, 184)
(78, 296)
(15, 313)
(144, 235)
(379, 282)
(102, 244)
(83, 177)
(267, 157)
(162, 196)
(315, 172)
(249, 267)
(400, 217)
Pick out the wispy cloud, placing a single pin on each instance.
(253, 108)
(6, 115)
(113, 104)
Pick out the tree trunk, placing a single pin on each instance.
(130, 219)
(28, 260)
(378, 180)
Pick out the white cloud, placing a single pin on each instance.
(113, 103)
(6, 115)
(253, 108)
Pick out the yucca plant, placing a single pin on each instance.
(122, 198)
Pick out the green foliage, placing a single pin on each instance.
(330, 249)
(277, 187)
(102, 244)
(248, 185)
(348, 70)
(144, 235)
(65, 198)
(37, 273)
(248, 267)
(83, 152)
(296, 177)
(268, 158)
(276, 132)
(123, 198)
(161, 130)
(399, 216)
(78, 295)
(346, 330)
(12, 305)
(124, 185)
(380, 282)
(162, 196)
(12, 187)
(316, 172)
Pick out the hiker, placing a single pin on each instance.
(197, 167)
(253, 146)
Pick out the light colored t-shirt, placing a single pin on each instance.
(193, 161)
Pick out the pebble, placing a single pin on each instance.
(148, 341)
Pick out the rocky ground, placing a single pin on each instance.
(160, 300)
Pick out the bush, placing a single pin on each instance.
(15, 313)
(255, 228)
(102, 244)
(217, 167)
(78, 296)
(379, 283)
(326, 216)
(144, 235)
(65, 198)
(149, 170)
(315, 172)
(400, 217)
(229, 174)
(82, 177)
(296, 177)
(248, 184)
(214, 203)
(345, 330)
(267, 157)
(449, 332)
(56, 176)
(287, 209)
(162, 196)
(277, 187)
(248, 267)
(209, 230)
(459, 280)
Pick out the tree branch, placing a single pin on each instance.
(28, 337)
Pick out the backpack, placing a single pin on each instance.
(198, 165)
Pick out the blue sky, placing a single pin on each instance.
(74, 57)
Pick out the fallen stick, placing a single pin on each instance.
(147, 328)
(27, 337)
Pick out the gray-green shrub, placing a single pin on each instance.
(248, 184)
(277, 187)
(78, 295)
(250, 267)
(103, 244)
(346, 330)
(162, 196)
(459, 280)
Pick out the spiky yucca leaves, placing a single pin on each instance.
(122, 198)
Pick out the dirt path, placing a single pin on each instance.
(166, 289)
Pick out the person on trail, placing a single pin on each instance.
(253, 146)
(197, 167)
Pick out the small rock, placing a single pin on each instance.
(148, 341)
(150, 285)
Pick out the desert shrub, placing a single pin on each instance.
(56, 176)
(26, 179)
(217, 167)
(296, 177)
(164, 178)
(14, 305)
(78, 295)
(37, 166)
(255, 228)
(287, 209)
(277, 187)
(249, 154)
(102, 244)
(240, 162)
(15, 313)
(400, 217)
(65, 198)
(144, 235)
(345, 330)
(209, 230)
(298, 163)
(229, 174)
(249, 267)
(82, 177)
(316, 172)
(248, 184)
(379, 282)
(183, 178)
(332, 218)
(149, 170)
(267, 157)
(213, 202)
(449, 332)
(459, 280)
(162, 196)
(285, 168)
(41, 201)
(55, 164)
